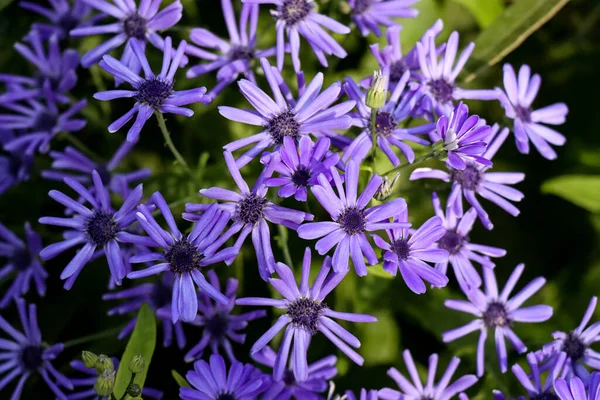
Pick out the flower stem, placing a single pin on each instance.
(283, 243)
(416, 162)
(80, 146)
(373, 139)
(167, 136)
(92, 337)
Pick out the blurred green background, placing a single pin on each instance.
(553, 237)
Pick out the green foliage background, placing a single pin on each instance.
(555, 238)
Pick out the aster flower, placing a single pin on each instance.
(85, 386)
(135, 23)
(299, 166)
(461, 138)
(409, 250)
(234, 57)
(319, 373)
(153, 93)
(212, 382)
(22, 259)
(498, 312)
(71, 163)
(364, 395)
(443, 390)
(280, 118)
(250, 212)
(15, 166)
(220, 326)
(25, 354)
(297, 18)
(575, 389)
(531, 124)
(369, 14)
(351, 219)
(55, 68)
(475, 179)
(63, 17)
(158, 296)
(575, 346)
(387, 119)
(183, 255)
(96, 227)
(305, 315)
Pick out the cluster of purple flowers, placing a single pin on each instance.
(305, 147)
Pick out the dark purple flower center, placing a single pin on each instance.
(397, 69)
(544, 396)
(524, 114)
(153, 92)
(294, 11)
(31, 356)
(102, 170)
(161, 296)
(241, 53)
(21, 259)
(44, 121)
(426, 397)
(101, 228)
(495, 315)
(251, 209)
(282, 125)
(288, 378)
(135, 26)
(352, 220)
(441, 90)
(41, 79)
(360, 6)
(469, 178)
(225, 396)
(183, 257)
(384, 124)
(452, 242)
(301, 176)
(573, 346)
(217, 325)
(401, 248)
(67, 22)
(305, 313)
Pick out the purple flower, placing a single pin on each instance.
(250, 212)
(575, 346)
(234, 57)
(305, 315)
(364, 395)
(96, 227)
(183, 255)
(26, 354)
(576, 390)
(139, 23)
(54, 68)
(461, 137)
(443, 390)
(299, 166)
(158, 296)
(154, 93)
(475, 179)
(388, 133)
(531, 124)
(319, 373)
(220, 326)
(351, 219)
(497, 312)
(212, 382)
(14, 167)
(22, 259)
(63, 16)
(281, 117)
(297, 18)
(457, 243)
(369, 14)
(73, 160)
(85, 385)
(409, 250)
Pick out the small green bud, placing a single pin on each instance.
(439, 150)
(89, 358)
(137, 364)
(386, 188)
(376, 95)
(104, 363)
(134, 390)
(105, 383)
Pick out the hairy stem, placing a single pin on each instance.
(78, 144)
(283, 243)
(167, 136)
(90, 338)
(417, 161)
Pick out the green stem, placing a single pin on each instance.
(130, 383)
(283, 236)
(403, 166)
(92, 337)
(373, 138)
(80, 146)
(167, 136)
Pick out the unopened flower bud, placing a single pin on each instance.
(89, 359)
(104, 363)
(386, 188)
(137, 364)
(105, 383)
(134, 390)
(377, 91)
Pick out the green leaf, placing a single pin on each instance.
(179, 379)
(378, 271)
(379, 341)
(582, 190)
(485, 12)
(142, 341)
(508, 31)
